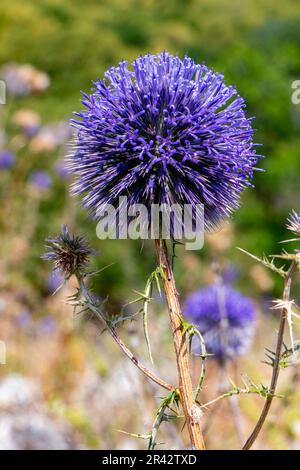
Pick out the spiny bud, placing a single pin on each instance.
(69, 254)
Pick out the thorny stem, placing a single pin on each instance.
(119, 341)
(276, 366)
(203, 367)
(190, 408)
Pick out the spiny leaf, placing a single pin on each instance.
(266, 262)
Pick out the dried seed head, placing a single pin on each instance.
(69, 254)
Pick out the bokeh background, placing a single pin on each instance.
(64, 383)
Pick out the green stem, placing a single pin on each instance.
(118, 340)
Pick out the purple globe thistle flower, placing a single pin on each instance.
(225, 318)
(40, 180)
(69, 254)
(7, 159)
(166, 131)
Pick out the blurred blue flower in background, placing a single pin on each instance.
(31, 130)
(7, 159)
(27, 120)
(230, 273)
(164, 131)
(226, 319)
(23, 319)
(23, 79)
(47, 325)
(54, 280)
(62, 169)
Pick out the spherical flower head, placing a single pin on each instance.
(69, 254)
(163, 131)
(293, 222)
(225, 318)
(7, 159)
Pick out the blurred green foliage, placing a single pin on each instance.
(256, 44)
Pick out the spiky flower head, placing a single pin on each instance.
(70, 254)
(225, 318)
(41, 180)
(293, 222)
(163, 131)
